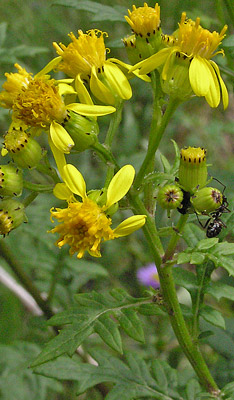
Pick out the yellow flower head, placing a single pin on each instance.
(13, 85)
(39, 103)
(83, 53)
(85, 58)
(193, 47)
(144, 21)
(84, 225)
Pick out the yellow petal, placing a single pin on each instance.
(74, 180)
(200, 76)
(64, 88)
(51, 65)
(222, 85)
(127, 67)
(82, 92)
(58, 156)
(62, 192)
(130, 225)
(117, 80)
(61, 139)
(90, 110)
(100, 90)
(4, 152)
(152, 62)
(120, 185)
(213, 95)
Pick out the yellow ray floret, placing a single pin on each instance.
(197, 45)
(83, 225)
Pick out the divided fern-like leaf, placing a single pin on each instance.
(102, 314)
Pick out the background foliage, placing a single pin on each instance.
(27, 31)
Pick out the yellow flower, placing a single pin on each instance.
(144, 21)
(38, 103)
(13, 85)
(85, 224)
(194, 47)
(85, 57)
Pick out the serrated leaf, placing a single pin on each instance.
(93, 312)
(66, 342)
(224, 249)
(225, 262)
(159, 375)
(206, 244)
(192, 234)
(151, 309)
(197, 258)
(219, 290)
(183, 258)
(131, 324)
(108, 330)
(212, 316)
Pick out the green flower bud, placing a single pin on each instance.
(83, 130)
(170, 197)
(192, 169)
(133, 54)
(11, 215)
(177, 83)
(99, 196)
(207, 200)
(11, 181)
(24, 150)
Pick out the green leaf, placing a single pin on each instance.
(165, 163)
(225, 262)
(228, 42)
(183, 258)
(206, 244)
(224, 249)
(131, 324)
(192, 234)
(197, 258)
(101, 11)
(109, 333)
(219, 290)
(192, 390)
(132, 380)
(93, 312)
(212, 316)
(185, 279)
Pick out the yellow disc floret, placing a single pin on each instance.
(40, 103)
(144, 21)
(83, 53)
(82, 226)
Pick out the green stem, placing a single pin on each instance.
(47, 170)
(174, 311)
(38, 187)
(29, 199)
(154, 142)
(175, 237)
(17, 268)
(196, 306)
(105, 154)
(114, 123)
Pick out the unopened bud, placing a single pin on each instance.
(207, 200)
(83, 130)
(11, 215)
(192, 169)
(11, 181)
(170, 197)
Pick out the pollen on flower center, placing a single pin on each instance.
(195, 40)
(83, 53)
(39, 103)
(82, 226)
(144, 21)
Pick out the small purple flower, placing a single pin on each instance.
(148, 276)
